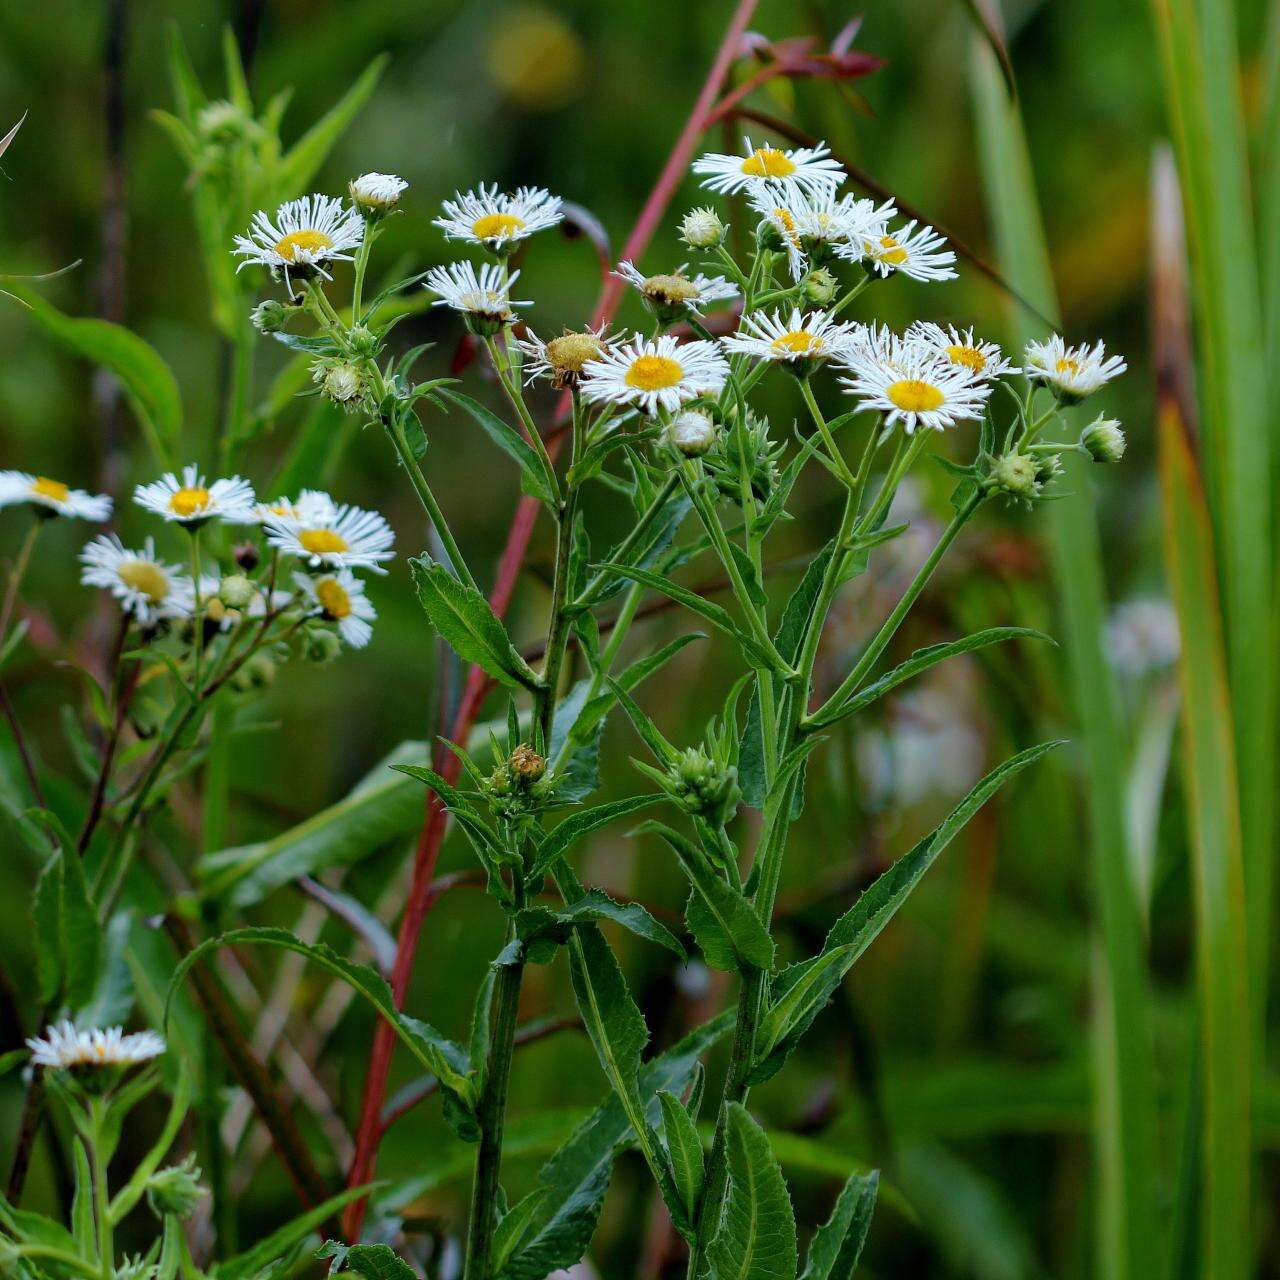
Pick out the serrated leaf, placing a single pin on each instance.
(756, 1236)
(801, 992)
(370, 1261)
(562, 837)
(468, 625)
(928, 657)
(684, 1150)
(593, 906)
(837, 1244)
(724, 924)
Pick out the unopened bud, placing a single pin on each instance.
(1104, 440)
(343, 382)
(176, 1190)
(526, 765)
(1015, 473)
(246, 555)
(821, 287)
(692, 433)
(236, 591)
(269, 316)
(701, 229)
(322, 645)
(375, 194)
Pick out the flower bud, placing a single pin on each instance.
(376, 194)
(1016, 474)
(1104, 440)
(692, 433)
(246, 555)
(322, 645)
(526, 766)
(701, 229)
(342, 382)
(703, 787)
(269, 316)
(176, 1190)
(236, 591)
(821, 287)
(257, 673)
(362, 341)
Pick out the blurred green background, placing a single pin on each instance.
(957, 1056)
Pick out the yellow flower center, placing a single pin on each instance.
(569, 352)
(892, 252)
(798, 342)
(913, 396)
(670, 288)
(970, 357)
(1069, 365)
(654, 373)
(144, 577)
(46, 488)
(333, 598)
(322, 541)
(494, 225)
(302, 242)
(768, 162)
(788, 224)
(189, 502)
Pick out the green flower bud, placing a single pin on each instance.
(362, 341)
(269, 316)
(703, 787)
(692, 433)
(1016, 474)
(702, 229)
(821, 287)
(342, 381)
(1104, 440)
(322, 645)
(257, 673)
(176, 1190)
(236, 591)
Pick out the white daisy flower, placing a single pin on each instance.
(921, 254)
(669, 294)
(309, 505)
(561, 359)
(657, 373)
(982, 358)
(793, 339)
(342, 538)
(192, 500)
(498, 220)
(340, 597)
(52, 495)
(145, 586)
(376, 192)
(912, 384)
(1072, 372)
(810, 168)
(63, 1046)
(814, 223)
(305, 235)
(486, 295)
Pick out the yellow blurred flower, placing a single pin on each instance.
(536, 58)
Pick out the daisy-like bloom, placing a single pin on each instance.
(146, 587)
(911, 384)
(798, 340)
(376, 192)
(306, 234)
(52, 496)
(499, 220)
(671, 294)
(192, 500)
(984, 359)
(340, 598)
(921, 254)
(814, 223)
(1072, 372)
(63, 1047)
(810, 168)
(341, 538)
(561, 359)
(654, 374)
(309, 505)
(486, 296)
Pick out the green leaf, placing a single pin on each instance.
(613, 1022)
(247, 1265)
(148, 382)
(513, 1227)
(837, 1244)
(595, 905)
(928, 657)
(533, 470)
(468, 625)
(722, 921)
(684, 1150)
(301, 162)
(562, 837)
(756, 1238)
(68, 939)
(370, 1261)
(719, 617)
(801, 992)
(444, 1059)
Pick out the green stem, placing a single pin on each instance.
(842, 467)
(101, 1199)
(511, 388)
(16, 575)
(197, 617)
(630, 542)
(558, 628)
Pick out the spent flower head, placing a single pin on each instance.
(674, 295)
(561, 359)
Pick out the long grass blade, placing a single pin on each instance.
(1124, 1080)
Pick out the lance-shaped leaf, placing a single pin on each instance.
(923, 659)
(533, 470)
(542, 923)
(756, 1238)
(802, 991)
(837, 1244)
(684, 1151)
(468, 625)
(722, 921)
(68, 939)
(562, 837)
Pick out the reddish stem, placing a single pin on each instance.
(431, 836)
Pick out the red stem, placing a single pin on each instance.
(431, 836)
